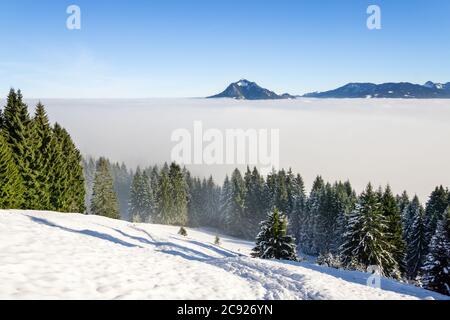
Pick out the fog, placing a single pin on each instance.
(401, 142)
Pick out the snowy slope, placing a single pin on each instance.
(70, 256)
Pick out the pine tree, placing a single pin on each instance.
(313, 206)
(122, 185)
(141, 206)
(42, 139)
(67, 180)
(226, 197)
(164, 197)
(179, 195)
(104, 200)
(434, 211)
(297, 202)
(17, 131)
(237, 206)
(273, 242)
(11, 187)
(255, 206)
(402, 202)
(366, 242)
(436, 270)
(89, 168)
(394, 230)
(414, 236)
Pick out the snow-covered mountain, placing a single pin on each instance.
(247, 90)
(403, 90)
(50, 255)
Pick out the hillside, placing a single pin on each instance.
(70, 256)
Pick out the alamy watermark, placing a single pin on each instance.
(251, 147)
(73, 22)
(374, 281)
(374, 19)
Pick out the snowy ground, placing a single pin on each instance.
(49, 255)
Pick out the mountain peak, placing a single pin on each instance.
(247, 90)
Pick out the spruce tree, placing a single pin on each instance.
(255, 206)
(104, 200)
(434, 211)
(365, 240)
(394, 229)
(164, 197)
(89, 168)
(42, 138)
(436, 270)
(67, 181)
(416, 248)
(402, 201)
(226, 197)
(141, 206)
(122, 185)
(236, 214)
(11, 186)
(273, 242)
(179, 196)
(17, 131)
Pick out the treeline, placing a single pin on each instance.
(40, 167)
(376, 228)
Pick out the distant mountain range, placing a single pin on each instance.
(405, 90)
(247, 90)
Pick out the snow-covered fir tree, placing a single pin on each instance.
(436, 270)
(414, 236)
(273, 242)
(366, 241)
(434, 211)
(392, 214)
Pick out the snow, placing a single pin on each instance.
(49, 255)
(243, 83)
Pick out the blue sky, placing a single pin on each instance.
(185, 48)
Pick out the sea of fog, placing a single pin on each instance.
(405, 143)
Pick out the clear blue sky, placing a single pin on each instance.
(179, 48)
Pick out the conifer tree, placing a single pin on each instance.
(402, 201)
(16, 129)
(414, 236)
(42, 139)
(141, 198)
(237, 206)
(179, 196)
(67, 186)
(89, 168)
(434, 211)
(394, 229)
(122, 185)
(255, 202)
(164, 197)
(104, 200)
(273, 242)
(436, 270)
(226, 197)
(365, 240)
(11, 187)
